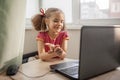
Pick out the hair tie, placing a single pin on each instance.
(42, 12)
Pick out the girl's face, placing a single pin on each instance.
(55, 22)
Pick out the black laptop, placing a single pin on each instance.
(99, 53)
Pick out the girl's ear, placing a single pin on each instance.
(47, 21)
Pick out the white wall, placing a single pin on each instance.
(30, 44)
(73, 44)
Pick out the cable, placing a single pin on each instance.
(35, 76)
(11, 78)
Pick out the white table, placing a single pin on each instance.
(37, 68)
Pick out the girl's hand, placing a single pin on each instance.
(51, 46)
(54, 48)
(58, 50)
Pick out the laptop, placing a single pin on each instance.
(99, 53)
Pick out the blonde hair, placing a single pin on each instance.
(38, 20)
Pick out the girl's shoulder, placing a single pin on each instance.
(42, 34)
(63, 33)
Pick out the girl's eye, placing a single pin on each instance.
(58, 21)
(55, 21)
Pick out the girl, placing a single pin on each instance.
(52, 38)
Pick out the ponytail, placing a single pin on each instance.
(38, 22)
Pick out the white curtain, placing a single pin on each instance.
(12, 29)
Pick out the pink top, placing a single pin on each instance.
(57, 41)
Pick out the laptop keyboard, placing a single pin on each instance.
(70, 70)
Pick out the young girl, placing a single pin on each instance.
(52, 38)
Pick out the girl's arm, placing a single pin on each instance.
(63, 49)
(42, 54)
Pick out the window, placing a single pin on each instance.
(65, 6)
(32, 8)
(99, 12)
(99, 9)
(80, 12)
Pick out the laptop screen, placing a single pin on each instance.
(99, 50)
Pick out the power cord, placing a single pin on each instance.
(11, 78)
(35, 76)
